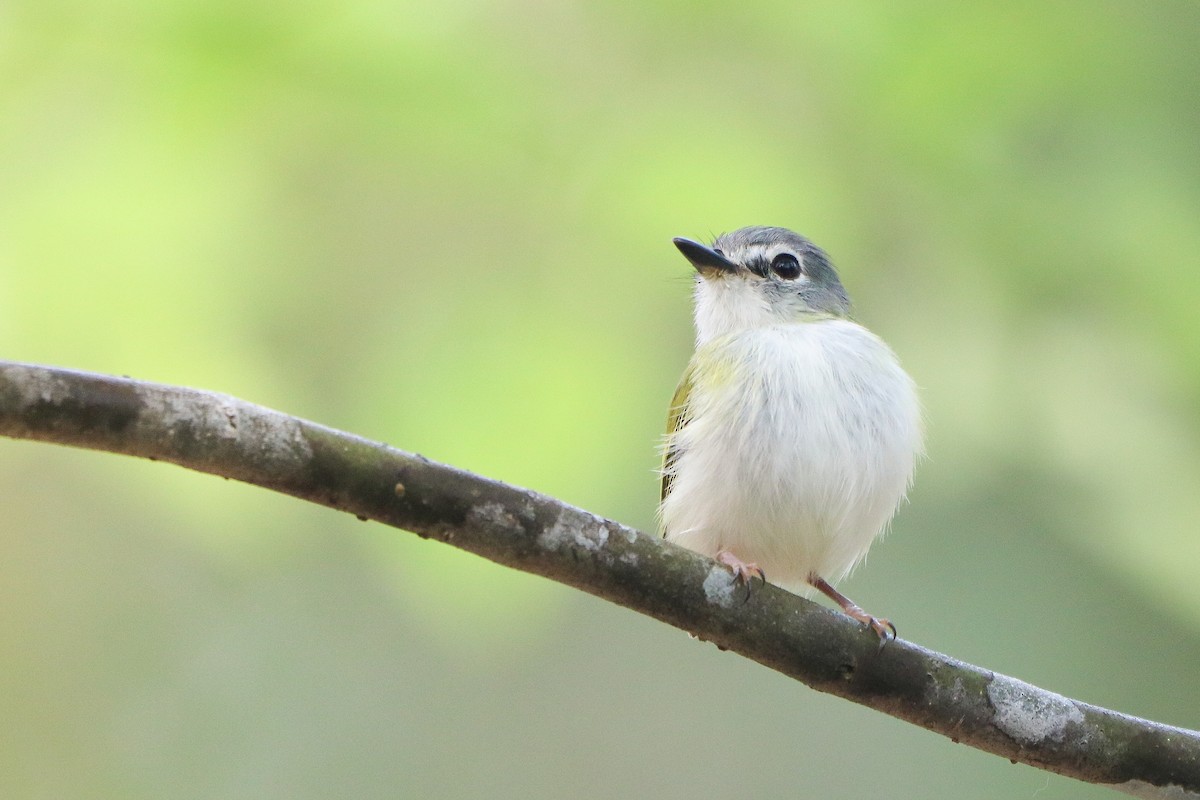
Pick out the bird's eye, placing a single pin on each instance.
(786, 266)
(719, 252)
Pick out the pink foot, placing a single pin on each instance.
(742, 571)
(882, 627)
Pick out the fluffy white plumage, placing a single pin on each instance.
(798, 430)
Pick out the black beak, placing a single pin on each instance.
(706, 260)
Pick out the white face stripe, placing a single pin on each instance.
(765, 253)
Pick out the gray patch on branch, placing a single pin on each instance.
(220, 418)
(1028, 714)
(574, 532)
(36, 385)
(493, 515)
(719, 587)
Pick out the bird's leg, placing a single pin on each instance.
(880, 625)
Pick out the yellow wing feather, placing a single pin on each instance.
(677, 417)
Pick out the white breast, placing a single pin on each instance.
(801, 443)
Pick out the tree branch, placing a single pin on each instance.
(519, 528)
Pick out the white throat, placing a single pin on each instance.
(729, 304)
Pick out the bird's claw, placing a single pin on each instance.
(881, 625)
(743, 571)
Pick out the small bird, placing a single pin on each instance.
(793, 435)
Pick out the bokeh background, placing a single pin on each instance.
(446, 225)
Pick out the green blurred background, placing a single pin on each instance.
(447, 226)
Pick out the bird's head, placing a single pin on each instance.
(760, 276)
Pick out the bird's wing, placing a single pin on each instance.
(677, 416)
